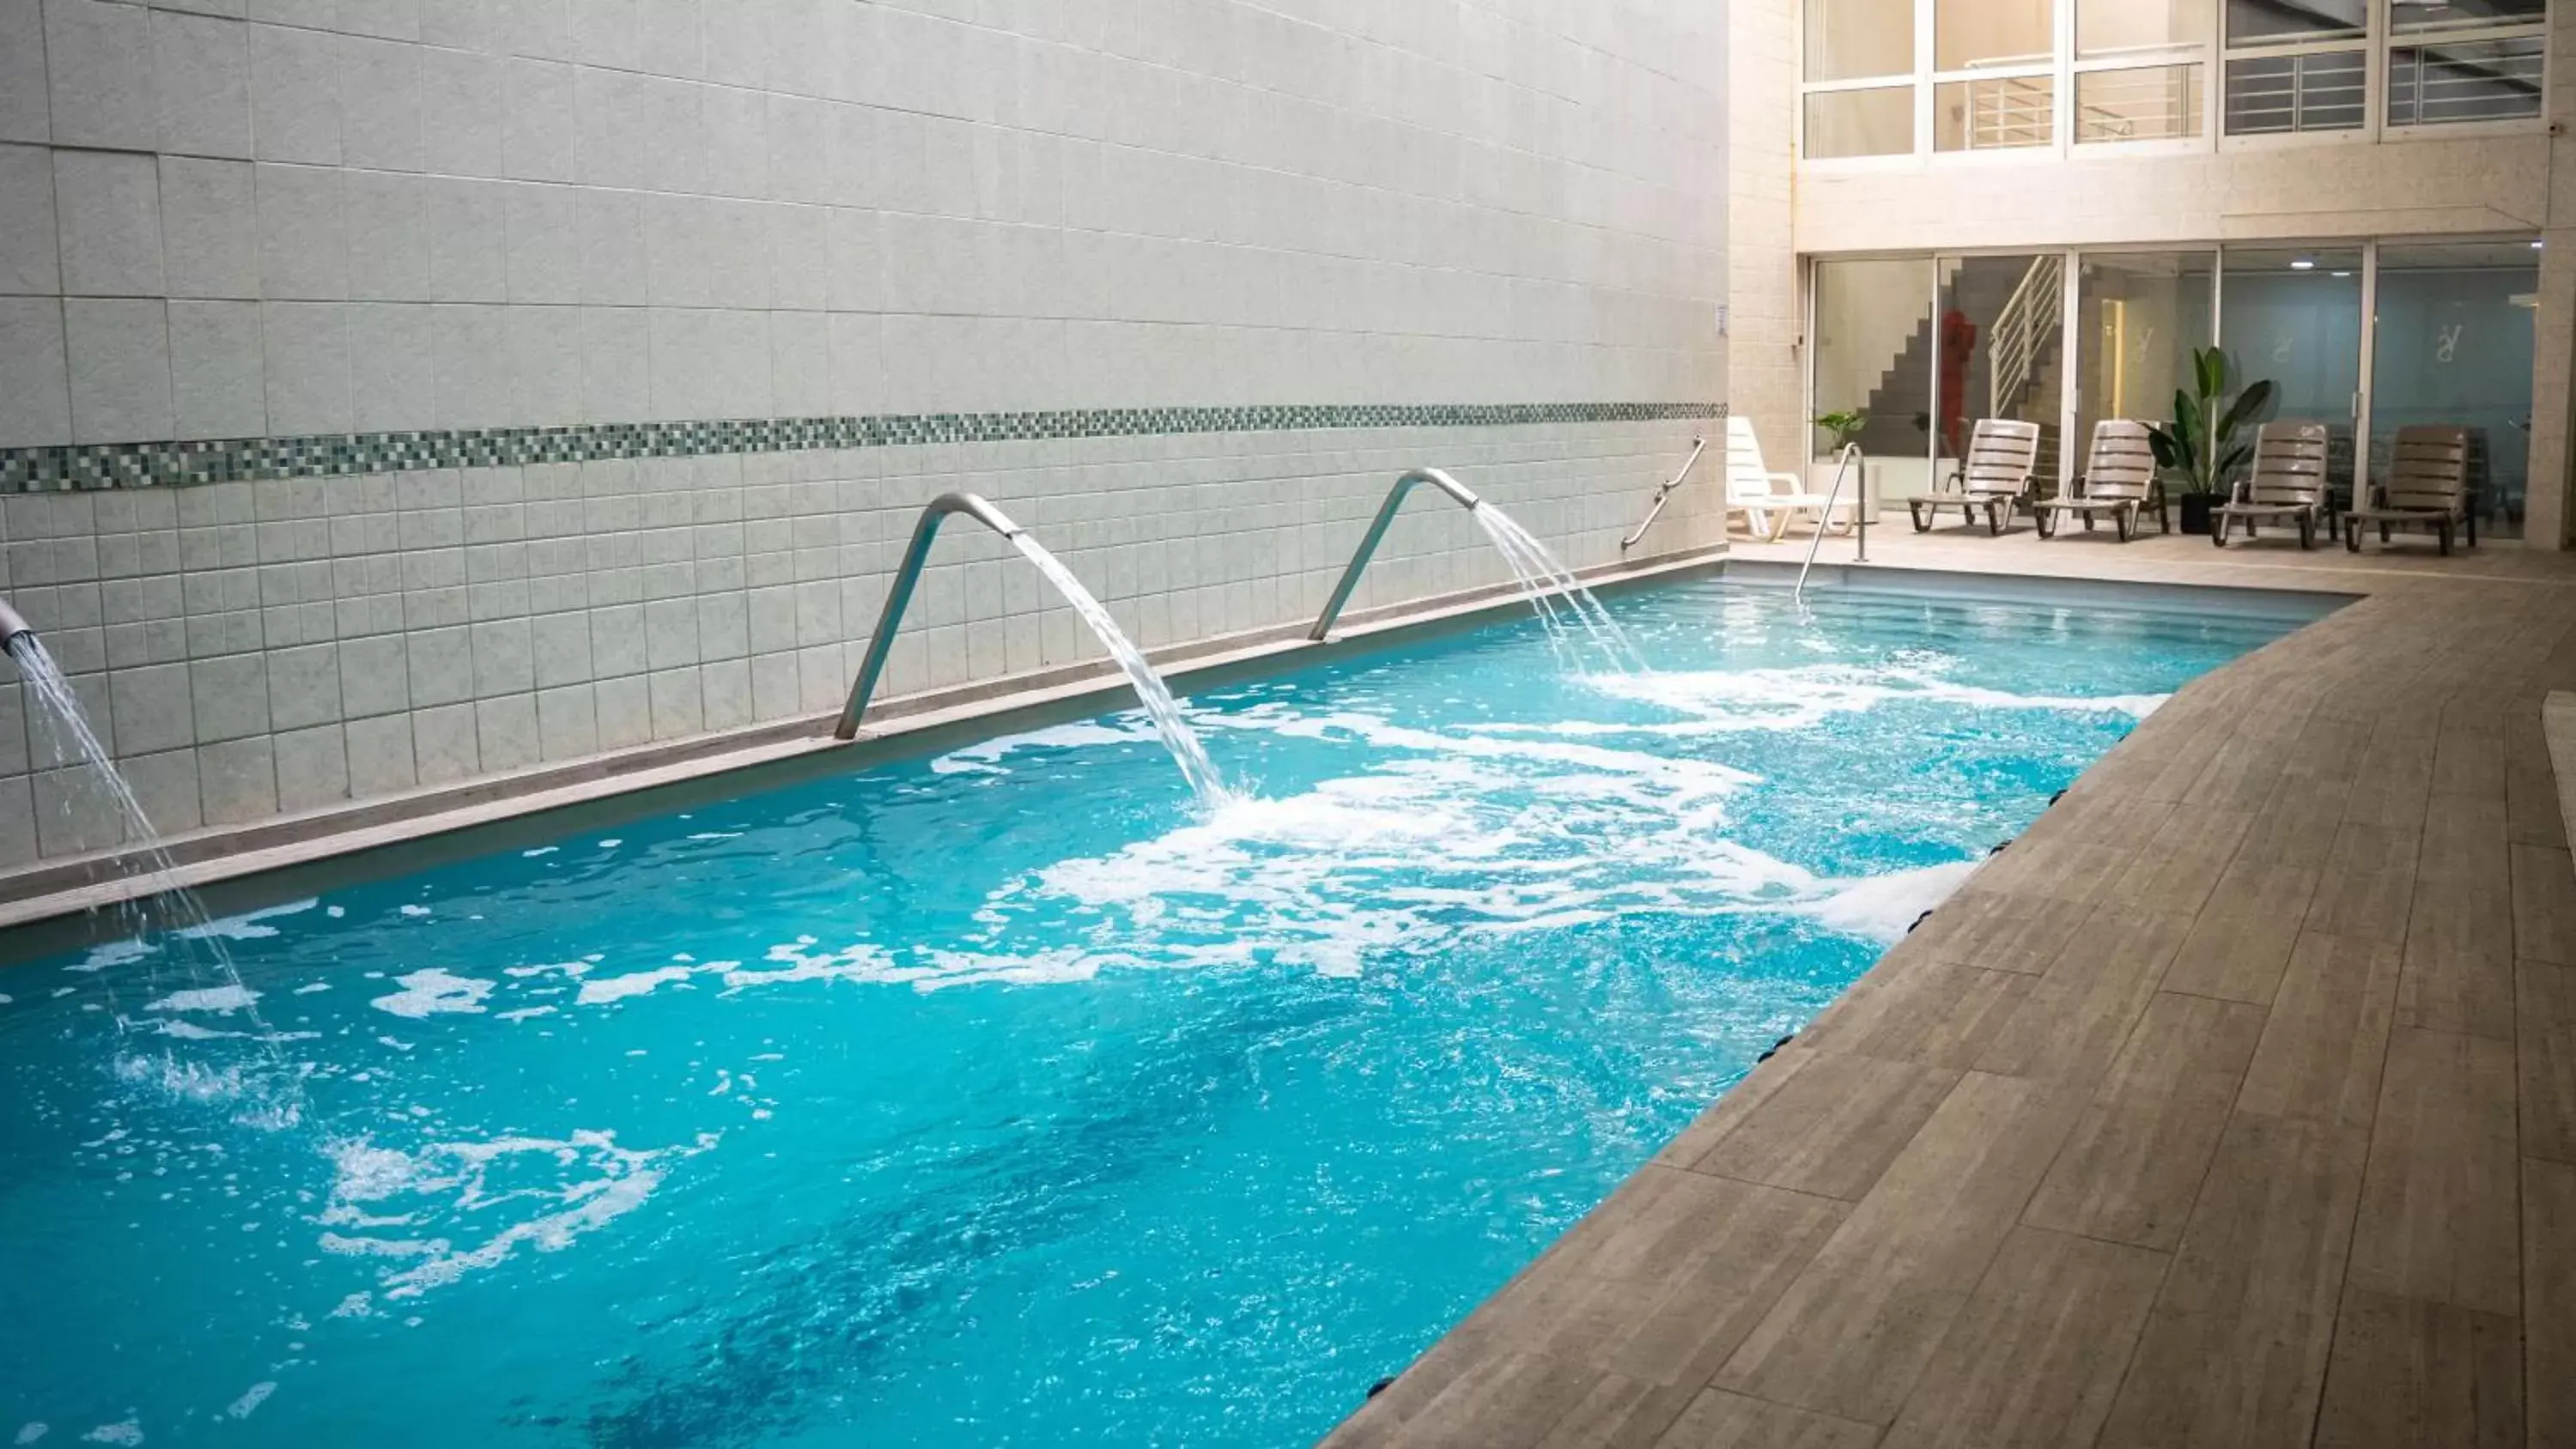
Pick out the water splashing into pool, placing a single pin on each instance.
(211, 980)
(1160, 707)
(1547, 583)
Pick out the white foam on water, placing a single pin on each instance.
(434, 992)
(525, 1013)
(986, 758)
(29, 1433)
(442, 1199)
(414, 910)
(127, 1432)
(111, 953)
(540, 850)
(211, 998)
(617, 988)
(249, 926)
(1883, 907)
(1725, 701)
(252, 1397)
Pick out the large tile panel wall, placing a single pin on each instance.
(376, 236)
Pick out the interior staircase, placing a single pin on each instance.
(1986, 289)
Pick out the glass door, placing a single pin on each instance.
(2139, 318)
(2293, 315)
(2452, 346)
(1874, 353)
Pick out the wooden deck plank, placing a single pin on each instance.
(2072, 1023)
(1833, 1128)
(2458, 973)
(2036, 1357)
(2235, 1350)
(1998, 931)
(2546, 1060)
(1720, 1420)
(2368, 882)
(2544, 905)
(2549, 1302)
(1915, 1009)
(2440, 1207)
(2429, 1374)
(2321, 1051)
(1853, 1334)
(2242, 939)
(2136, 1161)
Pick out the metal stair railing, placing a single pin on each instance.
(2023, 332)
(1860, 518)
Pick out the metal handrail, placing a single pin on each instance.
(1377, 530)
(900, 596)
(1860, 518)
(1698, 446)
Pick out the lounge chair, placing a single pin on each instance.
(2427, 487)
(1758, 493)
(2119, 480)
(2288, 484)
(1998, 474)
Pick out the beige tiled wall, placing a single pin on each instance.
(229, 220)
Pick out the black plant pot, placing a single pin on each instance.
(2195, 512)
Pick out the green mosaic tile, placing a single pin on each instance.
(139, 465)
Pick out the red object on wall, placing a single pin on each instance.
(1958, 345)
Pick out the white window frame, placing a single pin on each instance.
(2062, 67)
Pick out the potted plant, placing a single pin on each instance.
(1843, 426)
(2199, 452)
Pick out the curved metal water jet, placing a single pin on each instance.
(899, 597)
(1395, 497)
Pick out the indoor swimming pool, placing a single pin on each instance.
(1012, 1095)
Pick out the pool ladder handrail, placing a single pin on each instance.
(1377, 530)
(899, 597)
(1860, 517)
(1698, 446)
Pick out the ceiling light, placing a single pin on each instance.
(2304, 264)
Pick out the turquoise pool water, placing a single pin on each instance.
(1001, 1098)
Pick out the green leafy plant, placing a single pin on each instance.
(1844, 426)
(2199, 450)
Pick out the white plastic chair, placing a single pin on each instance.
(1753, 490)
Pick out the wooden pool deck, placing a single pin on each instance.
(2234, 1104)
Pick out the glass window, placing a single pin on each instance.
(1873, 355)
(2256, 22)
(2144, 103)
(2294, 316)
(1875, 122)
(2476, 80)
(1986, 115)
(2105, 28)
(2422, 15)
(1967, 34)
(2453, 348)
(2140, 316)
(1857, 39)
(2324, 91)
(2001, 338)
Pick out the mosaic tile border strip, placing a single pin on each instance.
(144, 465)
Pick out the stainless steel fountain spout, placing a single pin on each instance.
(1377, 530)
(12, 624)
(900, 596)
